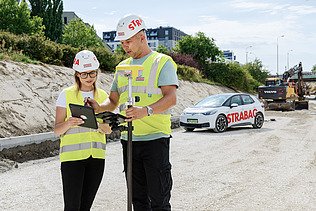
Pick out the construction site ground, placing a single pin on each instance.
(273, 168)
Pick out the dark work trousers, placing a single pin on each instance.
(151, 173)
(81, 180)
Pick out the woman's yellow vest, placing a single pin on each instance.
(80, 143)
(145, 85)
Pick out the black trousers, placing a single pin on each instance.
(151, 174)
(81, 180)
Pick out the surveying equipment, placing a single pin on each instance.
(131, 72)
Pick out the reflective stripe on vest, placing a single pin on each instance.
(75, 147)
(75, 130)
(79, 143)
(149, 93)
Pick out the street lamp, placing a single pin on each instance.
(278, 54)
(250, 46)
(253, 54)
(288, 59)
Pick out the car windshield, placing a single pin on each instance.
(212, 101)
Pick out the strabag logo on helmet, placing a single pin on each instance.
(87, 65)
(135, 23)
(128, 26)
(76, 61)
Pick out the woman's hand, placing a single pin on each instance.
(74, 121)
(61, 126)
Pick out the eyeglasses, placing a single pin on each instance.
(92, 74)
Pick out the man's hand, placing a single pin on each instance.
(94, 104)
(135, 112)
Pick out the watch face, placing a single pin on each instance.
(150, 111)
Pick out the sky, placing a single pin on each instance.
(250, 28)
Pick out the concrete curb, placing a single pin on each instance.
(7, 143)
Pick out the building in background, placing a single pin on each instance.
(165, 36)
(229, 55)
(68, 16)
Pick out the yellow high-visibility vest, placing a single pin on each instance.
(145, 85)
(80, 143)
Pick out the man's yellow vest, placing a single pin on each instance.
(80, 143)
(145, 85)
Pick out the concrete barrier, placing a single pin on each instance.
(37, 146)
(11, 142)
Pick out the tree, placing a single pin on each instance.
(257, 71)
(16, 18)
(314, 69)
(162, 49)
(200, 47)
(78, 34)
(51, 11)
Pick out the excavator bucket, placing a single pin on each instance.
(288, 106)
(300, 105)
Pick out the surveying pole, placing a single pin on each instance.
(129, 71)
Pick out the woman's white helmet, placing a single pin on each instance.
(128, 26)
(85, 61)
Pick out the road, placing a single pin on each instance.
(273, 168)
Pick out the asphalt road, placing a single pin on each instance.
(273, 168)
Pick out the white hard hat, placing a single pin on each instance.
(85, 61)
(128, 27)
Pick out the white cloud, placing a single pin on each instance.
(302, 10)
(251, 6)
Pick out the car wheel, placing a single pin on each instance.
(220, 124)
(188, 129)
(259, 119)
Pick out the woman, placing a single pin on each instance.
(82, 150)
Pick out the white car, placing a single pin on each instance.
(220, 111)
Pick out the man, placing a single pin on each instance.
(156, 86)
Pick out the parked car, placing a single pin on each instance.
(221, 111)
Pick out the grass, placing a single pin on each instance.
(17, 57)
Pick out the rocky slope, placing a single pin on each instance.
(28, 95)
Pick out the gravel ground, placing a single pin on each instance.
(273, 168)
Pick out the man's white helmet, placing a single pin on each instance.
(128, 26)
(85, 61)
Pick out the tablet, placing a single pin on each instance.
(86, 113)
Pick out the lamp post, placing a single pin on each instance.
(277, 48)
(250, 46)
(253, 54)
(288, 59)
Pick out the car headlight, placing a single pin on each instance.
(210, 112)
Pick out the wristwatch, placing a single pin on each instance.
(150, 111)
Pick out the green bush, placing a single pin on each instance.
(28, 48)
(8, 41)
(69, 54)
(39, 48)
(106, 59)
(189, 73)
(232, 75)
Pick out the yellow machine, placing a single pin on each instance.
(283, 94)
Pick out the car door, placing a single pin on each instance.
(234, 115)
(249, 108)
